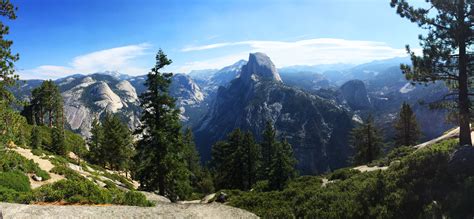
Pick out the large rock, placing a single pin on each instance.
(355, 94)
(161, 210)
(260, 67)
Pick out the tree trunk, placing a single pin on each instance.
(161, 185)
(464, 103)
(50, 118)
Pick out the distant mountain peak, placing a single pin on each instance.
(115, 74)
(260, 65)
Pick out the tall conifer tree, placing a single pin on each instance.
(160, 151)
(447, 51)
(406, 127)
(367, 142)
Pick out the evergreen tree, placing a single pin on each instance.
(96, 152)
(236, 162)
(11, 123)
(367, 142)
(282, 167)
(160, 152)
(268, 146)
(249, 155)
(220, 163)
(58, 144)
(447, 51)
(46, 105)
(116, 145)
(192, 158)
(35, 138)
(8, 77)
(406, 127)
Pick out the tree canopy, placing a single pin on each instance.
(447, 52)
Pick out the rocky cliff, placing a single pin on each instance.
(317, 128)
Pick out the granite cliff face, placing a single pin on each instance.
(90, 96)
(355, 95)
(316, 128)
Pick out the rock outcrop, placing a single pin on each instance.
(355, 94)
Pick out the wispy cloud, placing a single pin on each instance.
(301, 52)
(116, 59)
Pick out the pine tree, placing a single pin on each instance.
(192, 158)
(250, 158)
(367, 142)
(220, 163)
(35, 138)
(268, 146)
(447, 51)
(96, 152)
(46, 105)
(58, 144)
(116, 145)
(282, 167)
(10, 121)
(236, 161)
(8, 77)
(160, 152)
(406, 127)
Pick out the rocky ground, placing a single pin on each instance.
(162, 210)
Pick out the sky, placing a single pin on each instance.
(56, 38)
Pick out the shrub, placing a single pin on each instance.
(86, 192)
(342, 174)
(119, 178)
(15, 180)
(73, 191)
(11, 161)
(110, 185)
(68, 173)
(136, 198)
(419, 186)
(8, 195)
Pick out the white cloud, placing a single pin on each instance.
(301, 52)
(120, 59)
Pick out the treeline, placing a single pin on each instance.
(239, 162)
(367, 138)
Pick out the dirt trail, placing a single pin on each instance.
(44, 164)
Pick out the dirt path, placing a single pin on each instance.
(44, 164)
(213, 210)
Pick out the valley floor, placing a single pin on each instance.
(161, 210)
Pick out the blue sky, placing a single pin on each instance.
(60, 37)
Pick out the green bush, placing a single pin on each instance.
(73, 191)
(135, 198)
(68, 173)
(86, 192)
(418, 186)
(121, 179)
(342, 174)
(8, 195)
(15, 180)
(12, 161)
